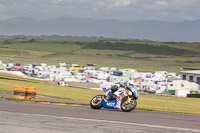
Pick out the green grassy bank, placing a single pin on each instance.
(140, 53)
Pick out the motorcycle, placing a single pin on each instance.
(123, 99)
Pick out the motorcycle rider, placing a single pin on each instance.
(107, 96)
(125, 85)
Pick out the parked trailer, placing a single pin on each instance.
(172, 87)
(102, 76)
(182, 93)
(182, 85)
(117, 79)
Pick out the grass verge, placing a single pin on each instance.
(45, 88)
(169, 104)
(44, 101)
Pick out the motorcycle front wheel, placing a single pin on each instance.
(96, 102)
(127, 105)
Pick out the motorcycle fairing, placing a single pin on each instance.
(135, 94)
(105, 89)
(111, 104)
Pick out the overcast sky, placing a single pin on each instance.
(128, 10)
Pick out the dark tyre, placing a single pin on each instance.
(127, 105)
(96, 102)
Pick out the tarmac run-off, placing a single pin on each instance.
(33, 117)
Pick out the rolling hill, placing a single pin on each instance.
(150, 29)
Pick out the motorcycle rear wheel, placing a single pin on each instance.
(128, 106)
(96, 102)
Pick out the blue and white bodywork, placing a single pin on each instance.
(124, 99)
(114, 104)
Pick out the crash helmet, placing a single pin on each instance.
(114, 88)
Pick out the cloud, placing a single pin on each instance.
(3, 17)
(121, 3)
(55, 1)
(84, 0)
(168, 10)
(2, 7)
(135, 1)
(162, 3)
(155, 5)
(96, 10)
(185, 4)
(100, 4)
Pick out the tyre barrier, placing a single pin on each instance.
(24, 93)
(30, 93)
(19, 92)
(193, 95)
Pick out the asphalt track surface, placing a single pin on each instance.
(32, 117)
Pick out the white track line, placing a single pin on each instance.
(115, 122)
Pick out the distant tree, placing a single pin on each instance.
(29, 41)
(64, 42)
(139, 48)
(80, 43)
(6, 42)
(100, 41)
(32, 41)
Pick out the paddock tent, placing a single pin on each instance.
(2, 65)
(18, 68)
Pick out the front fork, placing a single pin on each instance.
(129, 99)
